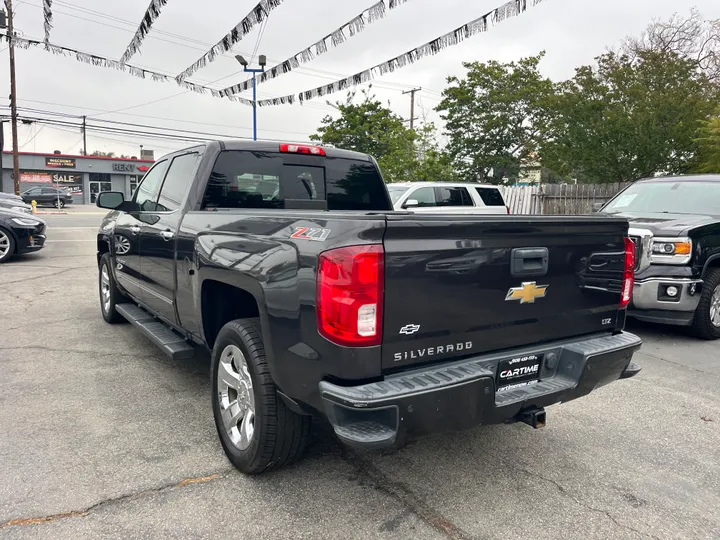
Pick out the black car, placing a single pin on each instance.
(15, 204)
(318, 299)
(19, 234)
(675, 224)
(47, 196)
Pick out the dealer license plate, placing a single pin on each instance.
(518, 371)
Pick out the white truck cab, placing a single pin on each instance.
(447, 198)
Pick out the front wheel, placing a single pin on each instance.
(7, 245)
(706, 324)
(110, 295)
(257, 430)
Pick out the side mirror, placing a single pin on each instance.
(411, 203)
(110, 199)
(596, 207)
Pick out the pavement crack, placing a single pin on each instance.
(45, 276)
(405, 496)
(20, 522)
(684, 366)
(564, 491)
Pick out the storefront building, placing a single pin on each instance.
(83, 176)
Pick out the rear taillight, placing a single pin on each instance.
(302, 149)
(629, 279)
(350, 295)
(508, 209)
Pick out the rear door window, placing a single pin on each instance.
(490, 196)
(246, 179)
(453, 196)
(176, 182)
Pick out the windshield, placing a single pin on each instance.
(396, 192)
(668, 197)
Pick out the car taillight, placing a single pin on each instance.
(350, 287)
(508, 209)
(302, 149)
(629, 278)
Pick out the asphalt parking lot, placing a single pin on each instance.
(101, 436)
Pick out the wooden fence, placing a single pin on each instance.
(571, 199)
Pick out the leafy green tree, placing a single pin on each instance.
(404, 155)
(371, 128)
(626, 118)
(709, 142)
(492, 116)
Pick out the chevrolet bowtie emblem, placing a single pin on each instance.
(526, 293)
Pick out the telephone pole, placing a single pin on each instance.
(84, 137)
(13, 99)
(412, 105)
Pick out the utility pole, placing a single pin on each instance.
(412, 105)
(84, 137)
(13, 99)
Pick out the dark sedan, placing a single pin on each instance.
(47, 196)
(19, 234)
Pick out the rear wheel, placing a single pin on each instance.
(706, 324)
(59, 203)
(257, 430)
(7, 245)
(110, 295)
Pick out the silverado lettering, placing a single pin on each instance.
(200, 258)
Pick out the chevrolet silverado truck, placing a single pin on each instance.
(675, 225)
(316, 299)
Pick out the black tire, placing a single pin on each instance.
(59, 203)
(703, 326)
(8, 247)
(108, 311)
(280, 435)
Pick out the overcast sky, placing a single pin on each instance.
(572, 32)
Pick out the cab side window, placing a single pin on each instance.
(176, 182)
(424, 196)
(147, 192)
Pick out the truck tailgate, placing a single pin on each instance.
(459, 286)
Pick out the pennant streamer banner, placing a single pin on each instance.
(151, 15)
(336, 37)
(47, 18)
(481, 24)
(244, 27)
(125, 68)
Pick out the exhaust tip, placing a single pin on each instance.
(534, 418)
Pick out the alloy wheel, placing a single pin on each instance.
(715, 307)
(105, 288)
(236, 397)
(4, 244)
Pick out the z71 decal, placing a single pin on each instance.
(306, 233)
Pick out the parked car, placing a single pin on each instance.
(19, 234)
(316, 298)
(47, 196)
(15, 204)
(675, 224)
(447, 198)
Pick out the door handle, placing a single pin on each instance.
(529, 261)
(134, 229)
(167, 235)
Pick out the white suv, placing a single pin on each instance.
(447, 198)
